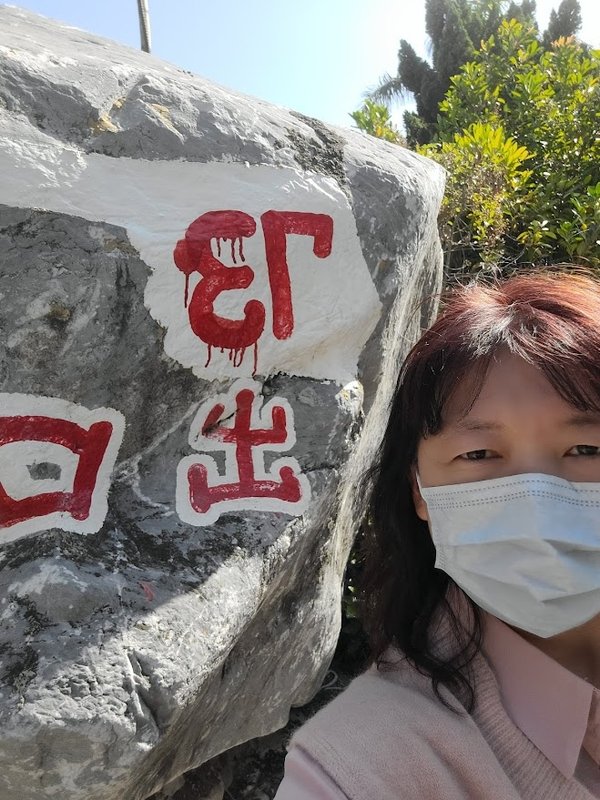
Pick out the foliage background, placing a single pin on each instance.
(519, 134)
(513, 114)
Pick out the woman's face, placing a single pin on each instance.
(518, 424)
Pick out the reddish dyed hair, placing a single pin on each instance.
(552, 321)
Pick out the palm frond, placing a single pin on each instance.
(387, 90)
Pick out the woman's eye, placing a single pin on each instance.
(475, 455)
(584, 450)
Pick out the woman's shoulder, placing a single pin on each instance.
(394, 697)
(388, 729)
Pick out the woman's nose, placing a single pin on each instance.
(537, 463)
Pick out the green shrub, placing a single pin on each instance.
(519, 133)
(375, 119)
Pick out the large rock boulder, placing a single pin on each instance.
(199, 291)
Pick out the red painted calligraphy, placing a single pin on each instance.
(203, 494)
(194, 253)
(245, 438)
(276, 225)
(89, 445)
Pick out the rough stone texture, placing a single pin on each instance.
(130, 656)
(254, 770)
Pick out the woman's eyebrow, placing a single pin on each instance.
(590, 418)
(582, 419)
(473, 424)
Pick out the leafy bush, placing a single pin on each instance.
(519, 133)
(375, 119)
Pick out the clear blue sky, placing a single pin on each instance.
(315, 56)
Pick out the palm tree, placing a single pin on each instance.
(455, 29)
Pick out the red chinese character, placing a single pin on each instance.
(194, 254)
(284, 489)
(56, 459)
(89, 445)
(276, 225)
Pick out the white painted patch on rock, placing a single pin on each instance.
(256, 269)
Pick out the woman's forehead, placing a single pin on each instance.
(508, 388)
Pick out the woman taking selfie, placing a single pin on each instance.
(482, 565)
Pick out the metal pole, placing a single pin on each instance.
(144, 17)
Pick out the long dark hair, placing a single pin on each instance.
(552, 321)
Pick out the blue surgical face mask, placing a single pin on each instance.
(526, 548)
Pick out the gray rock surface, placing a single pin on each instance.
(146, 646)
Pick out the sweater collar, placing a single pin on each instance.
(549, 704)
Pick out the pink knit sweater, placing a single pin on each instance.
(388, 737)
